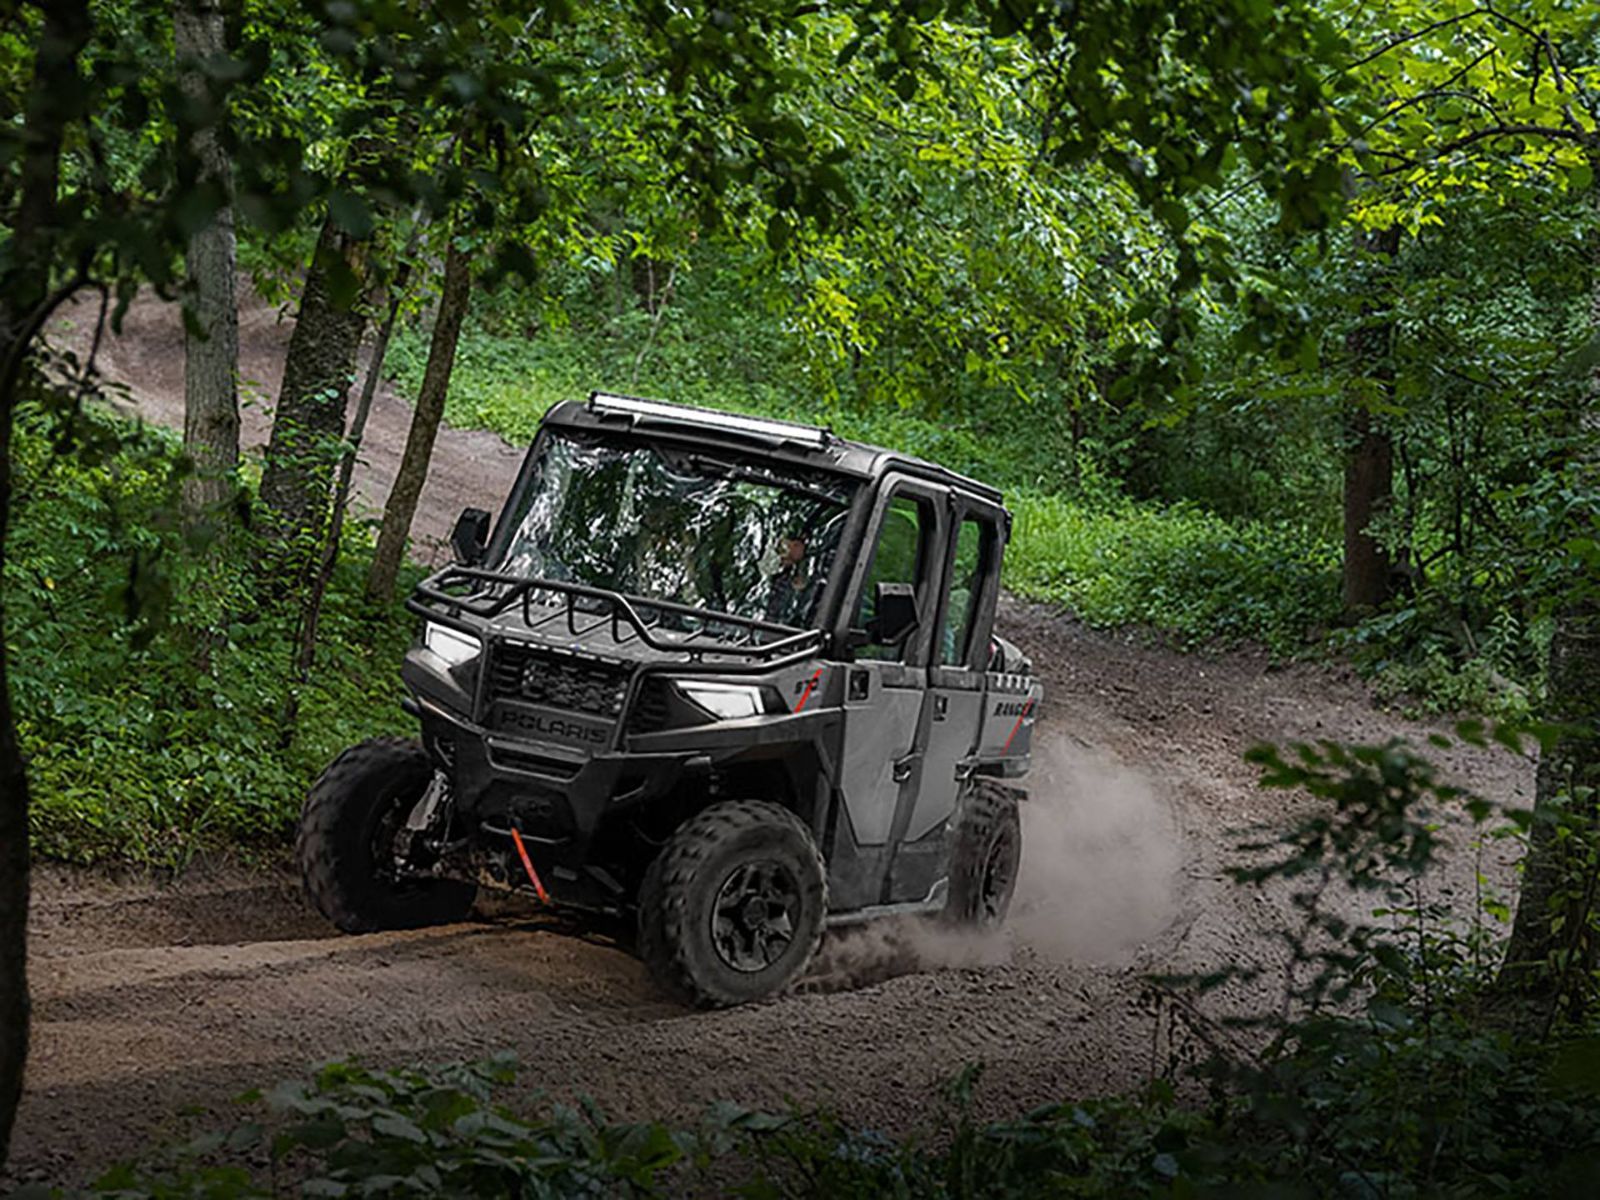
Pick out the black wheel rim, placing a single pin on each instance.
(384, 845)
(999, 877)
(755, 914)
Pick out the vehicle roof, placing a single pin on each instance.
(784, 441)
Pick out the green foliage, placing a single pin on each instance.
(354, 1131)
(1468, 133)
(1113, 1147)
(150, 679)
(1176, 569)
(1419, 656)
(1407, 1066)
(984, 233)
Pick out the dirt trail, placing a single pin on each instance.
(469, 466)
(152, 999)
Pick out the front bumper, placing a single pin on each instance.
(539, 755)
(558, 803)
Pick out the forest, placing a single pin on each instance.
(1278, 326)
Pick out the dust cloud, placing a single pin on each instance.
(857, 956)
(1100, 858)
(1100, 863)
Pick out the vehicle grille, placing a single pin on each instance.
(539, 764)
(520, 672)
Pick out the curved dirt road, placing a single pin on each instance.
(152, 999)
(155, 1000)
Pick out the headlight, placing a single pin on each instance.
(451, 645)
(728, 701)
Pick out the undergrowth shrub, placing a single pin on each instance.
(1176, 569)
(354, 1131)
(150, 677)
(1421, 655)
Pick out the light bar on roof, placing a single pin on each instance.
(806, 435)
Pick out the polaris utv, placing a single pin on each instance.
(732, 677)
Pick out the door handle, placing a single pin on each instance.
(902, 767)
(941, 707)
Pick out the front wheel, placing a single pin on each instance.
(987, 855)
(732, 908)
(346, 846)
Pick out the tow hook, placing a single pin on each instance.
(527, 865)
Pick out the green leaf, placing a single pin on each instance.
(395, 1126)
(316, 1134)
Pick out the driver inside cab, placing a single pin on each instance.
(791, 585)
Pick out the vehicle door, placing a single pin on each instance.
(886, 683)
(953, 706)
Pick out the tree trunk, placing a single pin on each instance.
(26, 300)
(1546, 959)
(1369, 456)
(1368, 486)
(306, 640)
(309, 424)
(653, 281)
(402, 505)
(1554, 945)
(211, 316)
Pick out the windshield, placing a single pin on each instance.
(693, 529)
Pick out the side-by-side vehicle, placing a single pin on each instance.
(733, 677)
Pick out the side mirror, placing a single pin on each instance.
(470, 538)
(894, 613)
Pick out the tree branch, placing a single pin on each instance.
(1403, 38)
(18, 350)
(1546, 131)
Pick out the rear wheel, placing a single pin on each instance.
(988, 852)
(732, 908)
(348, 841)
